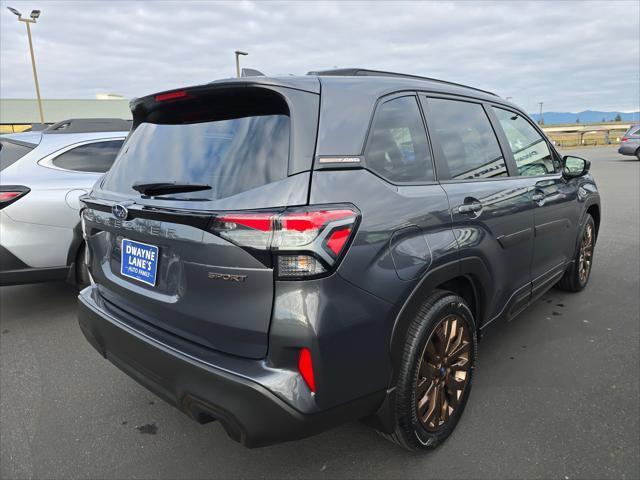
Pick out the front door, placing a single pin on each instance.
(555, 210)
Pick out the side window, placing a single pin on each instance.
(529, 148)
(397, 148)
(12, 152)
(93, 157)
(468, 142)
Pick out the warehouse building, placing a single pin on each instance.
(19, 114)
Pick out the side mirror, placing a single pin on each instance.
(573, 167)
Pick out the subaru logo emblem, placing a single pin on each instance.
(120, 211)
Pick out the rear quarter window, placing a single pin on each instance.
(11, 152)
(96, 157)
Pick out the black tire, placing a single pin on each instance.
(638, 153)
(82, 272)
(411, 432)
(574, 278)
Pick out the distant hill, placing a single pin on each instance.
(588, 116)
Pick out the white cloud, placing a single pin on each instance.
(572, 56)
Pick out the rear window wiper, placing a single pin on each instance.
(163, 188)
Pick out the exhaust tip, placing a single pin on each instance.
(204, 413)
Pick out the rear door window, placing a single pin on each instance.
(466, 139)
(530, 150)
(96, 157)
(11, 152)
(231, 155)
(397, 148)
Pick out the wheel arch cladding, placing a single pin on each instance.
(594, 211)
(464, 286)
(468, 278)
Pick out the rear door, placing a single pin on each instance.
(158, 256)
(491, 209)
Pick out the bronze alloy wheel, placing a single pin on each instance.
(586, 254)
(444, 372)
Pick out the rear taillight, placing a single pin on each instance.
(307, 242)
(11, 193)
(624, 139)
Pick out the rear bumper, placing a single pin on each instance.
(628, 148)
(250, 413)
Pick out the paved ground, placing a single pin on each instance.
(556, 393)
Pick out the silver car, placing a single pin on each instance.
(42, 176)
(630, 143)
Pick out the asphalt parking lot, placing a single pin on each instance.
(556, 394)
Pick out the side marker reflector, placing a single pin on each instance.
(305, 366)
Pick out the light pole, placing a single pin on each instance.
(34, 16)
(540, 121)
(238, 53)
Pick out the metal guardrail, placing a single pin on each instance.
(586, 135)
(14, 127)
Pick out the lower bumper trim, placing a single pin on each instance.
(33, 275)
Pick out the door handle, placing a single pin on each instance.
(470, 208)
(538, 198)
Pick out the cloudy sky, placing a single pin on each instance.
(571, 55)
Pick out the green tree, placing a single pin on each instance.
(618, 118)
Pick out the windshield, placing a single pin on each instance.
(230, 155)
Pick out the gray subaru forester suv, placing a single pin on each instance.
(283, 255)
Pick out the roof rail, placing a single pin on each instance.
(87, 125)
(364, 72)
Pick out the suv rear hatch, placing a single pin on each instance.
(176, 229)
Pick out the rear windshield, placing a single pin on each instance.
(232, 155)
(11, 152)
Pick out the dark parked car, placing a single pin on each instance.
(287, 254)
(630, 142)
